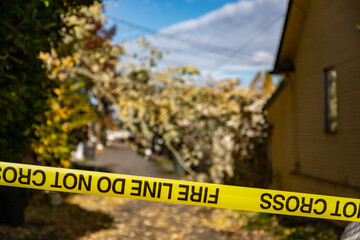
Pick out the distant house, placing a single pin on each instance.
(315, 113)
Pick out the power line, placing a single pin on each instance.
(170, 35)
(194, 43)
(248, 42)
(205, 54)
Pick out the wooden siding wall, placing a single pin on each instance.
(280, 147)
(321, 162)
(329, 38)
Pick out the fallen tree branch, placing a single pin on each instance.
(179, 159)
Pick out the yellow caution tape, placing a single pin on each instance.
(177, 191)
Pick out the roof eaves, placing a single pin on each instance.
(277, 68)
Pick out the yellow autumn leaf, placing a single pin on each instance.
(57, 91)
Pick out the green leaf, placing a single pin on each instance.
(46, 3)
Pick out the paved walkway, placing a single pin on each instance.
(120, 158)
(136, 219)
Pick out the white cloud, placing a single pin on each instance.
(262, 56)
(229, 10)
(236, 38)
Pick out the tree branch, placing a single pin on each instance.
(179, 158)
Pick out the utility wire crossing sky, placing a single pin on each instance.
(237, 39)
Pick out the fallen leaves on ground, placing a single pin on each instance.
(44, 221)
(95, 217)
(135, 219)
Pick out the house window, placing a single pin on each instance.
(331, 114)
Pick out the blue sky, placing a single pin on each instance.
(222, 38)
(160, 14)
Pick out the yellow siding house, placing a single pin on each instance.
(315, 113)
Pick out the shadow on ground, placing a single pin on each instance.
(66, 221)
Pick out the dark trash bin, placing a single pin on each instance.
(178, 169)
(13, 202)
